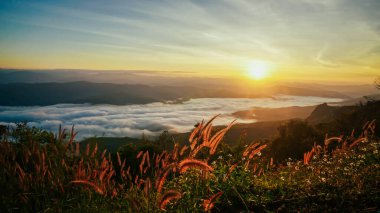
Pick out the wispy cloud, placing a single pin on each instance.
(320, 58)
(193, 35)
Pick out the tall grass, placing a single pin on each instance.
(195, 177)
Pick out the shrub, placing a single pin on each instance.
(294, 139)
(200, 176)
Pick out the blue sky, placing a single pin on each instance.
(305, 39)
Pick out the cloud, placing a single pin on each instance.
(150, 119)
(321, 58)
(192, 34)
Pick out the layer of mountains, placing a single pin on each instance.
(48, 87)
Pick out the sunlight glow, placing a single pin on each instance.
(258, 70)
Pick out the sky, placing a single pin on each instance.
(324, 40)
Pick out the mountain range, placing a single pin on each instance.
(42, 94)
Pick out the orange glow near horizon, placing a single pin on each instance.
(223, 39)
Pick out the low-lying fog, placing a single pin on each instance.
(150, 119)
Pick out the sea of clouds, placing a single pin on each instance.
(150, 119)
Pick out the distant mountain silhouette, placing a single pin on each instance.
(42, 94)
(322, 114)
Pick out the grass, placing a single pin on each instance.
(200, 176)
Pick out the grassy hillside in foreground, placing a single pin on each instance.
(43, 173)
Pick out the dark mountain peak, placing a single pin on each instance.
(323, 113)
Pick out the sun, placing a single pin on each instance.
(258, 70)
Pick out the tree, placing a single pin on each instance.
(294, 139)
(3, 131)
(377, 82)
(23, 133)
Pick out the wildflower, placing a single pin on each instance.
(213, 163)
(289, 163)
(324, 159)
(323, 180)
(308, 181)
(314, 157)
(220, 157)
(297, 168)
(229, 155)
(243, 158)
(282, 178)
(259, 154)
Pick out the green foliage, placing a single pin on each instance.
(164, 141)
(23, 133)
(351, 118)
(294, 139)
(43, 177)
(3, 131)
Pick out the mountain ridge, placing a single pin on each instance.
(79, 92)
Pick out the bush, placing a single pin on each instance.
(294, 139)
(201, 176)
